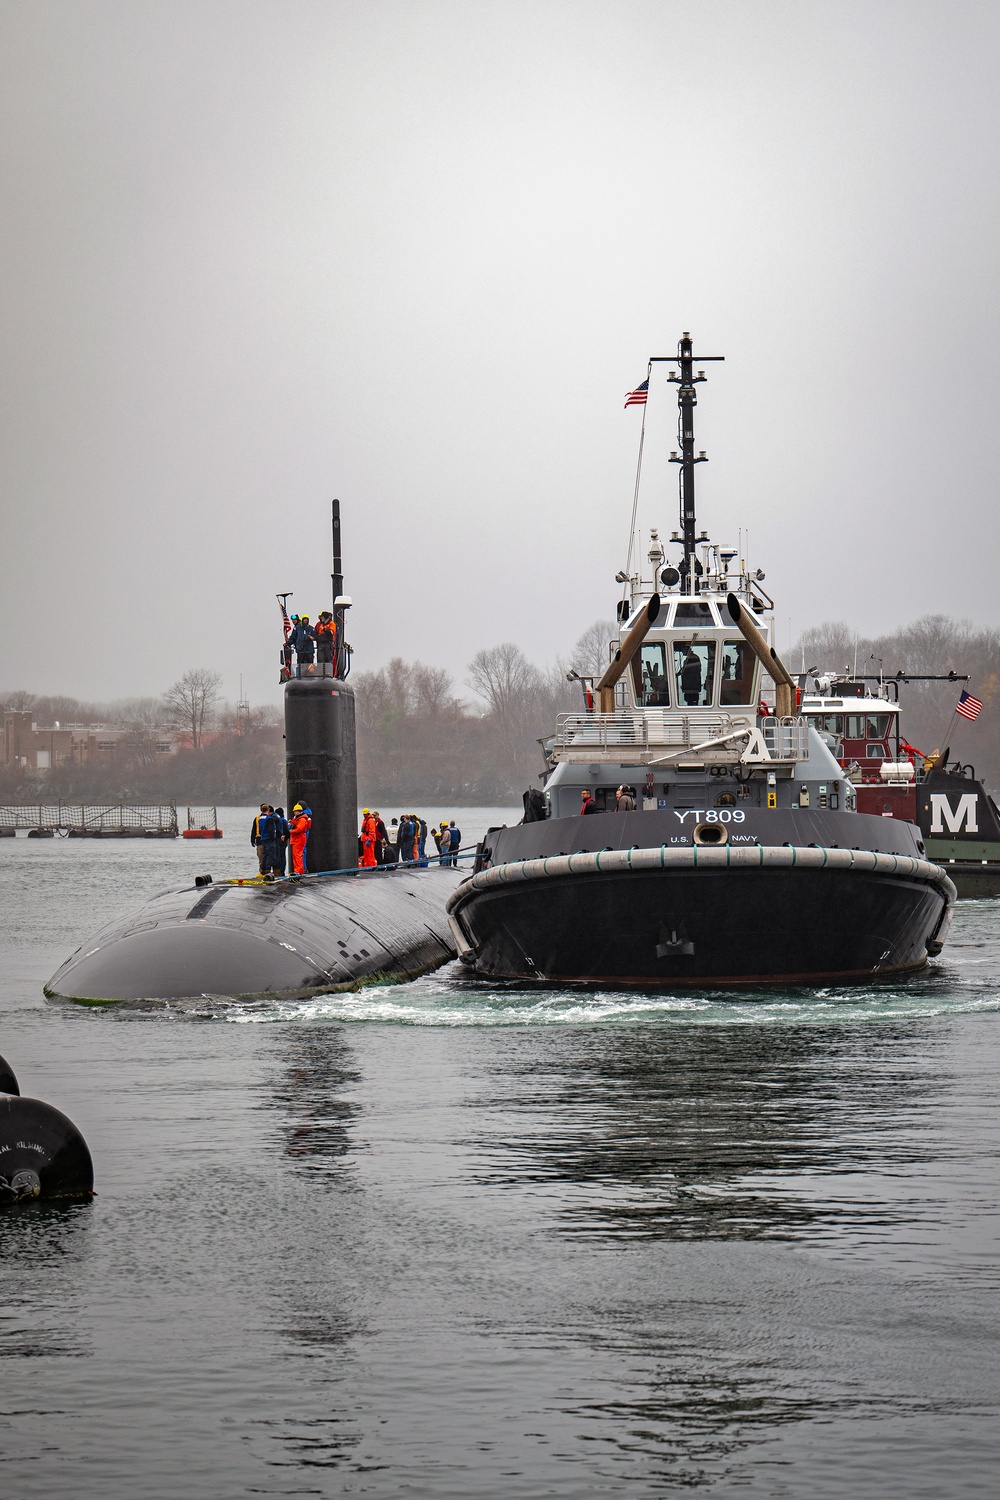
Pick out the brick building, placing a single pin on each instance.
(34, 749)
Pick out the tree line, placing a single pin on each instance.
(226, 757)
(425, 739)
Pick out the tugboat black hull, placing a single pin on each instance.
(668, 918)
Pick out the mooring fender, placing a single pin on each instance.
(42, 1154)
(864, 861)
(8, 1083)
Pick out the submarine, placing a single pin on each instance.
(42, 1154)
(333, 928)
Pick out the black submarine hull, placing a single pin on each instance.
(629, 913)
(332, 927)
(282, 940)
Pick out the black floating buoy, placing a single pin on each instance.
(42, 1154)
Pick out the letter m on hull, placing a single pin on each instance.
(964, 813)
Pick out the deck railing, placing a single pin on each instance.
(648, 734)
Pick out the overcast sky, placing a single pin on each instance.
(256, 255)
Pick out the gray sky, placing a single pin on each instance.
(255, 255)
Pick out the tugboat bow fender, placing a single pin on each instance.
(702, 857)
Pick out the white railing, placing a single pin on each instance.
(653, 733)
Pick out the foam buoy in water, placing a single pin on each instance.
(42, 1154)
(8, 1083)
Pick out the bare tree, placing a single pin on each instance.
(505, 679)
(19, 702)
(191, 700)
(591, 655)
(433, 688)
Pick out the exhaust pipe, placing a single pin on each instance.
(605, 688)
(784, 682)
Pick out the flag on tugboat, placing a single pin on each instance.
(969, 706)
(638, 396)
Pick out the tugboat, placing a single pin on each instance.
(721, 842)
(958, 820)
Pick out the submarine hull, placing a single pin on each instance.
(283, 940)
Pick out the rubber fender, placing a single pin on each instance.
(8, 1083)
(42, 1154)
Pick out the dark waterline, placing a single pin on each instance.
(447, 1240)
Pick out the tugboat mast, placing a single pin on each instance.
(687, 400)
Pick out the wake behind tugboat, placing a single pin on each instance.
(745, 859)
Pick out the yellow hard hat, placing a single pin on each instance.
(365, 812)
(444, 822)
(297, 807)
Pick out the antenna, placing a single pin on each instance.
(243, 709)
(341, 603)
(337, 576)
(687, 400)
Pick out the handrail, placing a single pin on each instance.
(645, 729)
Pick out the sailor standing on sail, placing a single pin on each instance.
(326, 636)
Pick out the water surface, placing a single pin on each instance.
(449, 1239)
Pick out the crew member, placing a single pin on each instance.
(274, 855)
(368, 836)
(298, 837)
(624, 800)
(326, 636)
(690, 676)
(382, 845)
(455, 841)
(256, 837)
(279, 813)
(303, 638)
(404, 841)
(587, 803)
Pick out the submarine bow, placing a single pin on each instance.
(283, 940)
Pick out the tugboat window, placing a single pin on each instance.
(737, 672)
(654, 691)
(867, 726)
(694, 668)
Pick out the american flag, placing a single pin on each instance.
(968, 706)
(638, 396)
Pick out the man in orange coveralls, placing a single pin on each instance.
(298, 837)
(369, 834)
